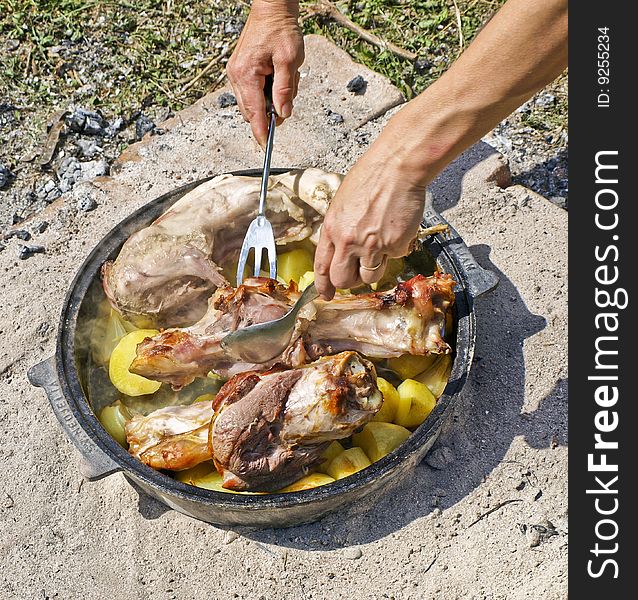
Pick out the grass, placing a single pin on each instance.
(117, 56)
(426, 27)
(123, 57)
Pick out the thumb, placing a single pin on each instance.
(283, 89)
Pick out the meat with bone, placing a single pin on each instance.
(175, 437)
(409, 319)
(166, 272)
(268, 428)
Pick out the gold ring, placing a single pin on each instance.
(375, 268)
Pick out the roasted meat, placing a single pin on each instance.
(408, 319)
(166, 272)
(268, 429)
(175, 437)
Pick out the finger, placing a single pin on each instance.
(254, 103)
(368, 276)
(283, 89)
(323, 259)
(344, 269)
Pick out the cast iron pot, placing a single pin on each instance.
(63, 374)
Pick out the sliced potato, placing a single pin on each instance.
(333, 450)
(204, 475)
(379, 439)
(308, 482)
(123, 355)
(348, 462)
(306, 279)
(390, 401)
(416, 402)
(113, 419)
(205, 398)
(408, 365)
(292, 265)
(437, 376)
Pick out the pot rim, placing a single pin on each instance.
(73, 391)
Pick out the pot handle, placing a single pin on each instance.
(95, 463)
(480, 280)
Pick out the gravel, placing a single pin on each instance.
(357, 85)
(87, 204)
(25, 252)
(226, 99)
(142, 126)
(333, 117)
(5, 176)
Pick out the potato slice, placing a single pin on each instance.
(408, 365)
(390, 401)
(204, 475)
(416, 402)
(123, 355)
(292, 265)
(437, 376)
(333, 450)
(113, 419)
(306, 279)
(348, 462)
(379, 439)
(205, 398)
(308, 482)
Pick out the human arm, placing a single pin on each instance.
(378, 208)
(270, 43)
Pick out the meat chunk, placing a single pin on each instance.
(264, 430)
(270, 428)
(175, 437)
(165, 273)
(408, 319)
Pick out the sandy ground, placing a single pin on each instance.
(483, 517)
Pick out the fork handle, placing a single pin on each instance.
(270, 111)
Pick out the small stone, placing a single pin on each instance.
(25, 252)
(49, 186)
(92, 169)
(440, 458)
(142, 126)
(230, 536)
(86, 121)
(88, 148)
(5, 176)
(41, 227)
(357, 85)
(87, 204)
(362, 138)
(233, 27)
(116, 125)
(226, 99)
(16, 218)
(422, 65)
(352, 553)
(21, 234)
(54, 194)
(334, 118)
(545, 100)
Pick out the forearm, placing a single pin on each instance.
(523, 48)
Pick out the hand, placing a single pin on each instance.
(374, 215)
(270, 43)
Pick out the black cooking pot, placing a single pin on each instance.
(63, 377)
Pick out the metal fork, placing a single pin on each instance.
(260, 235)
